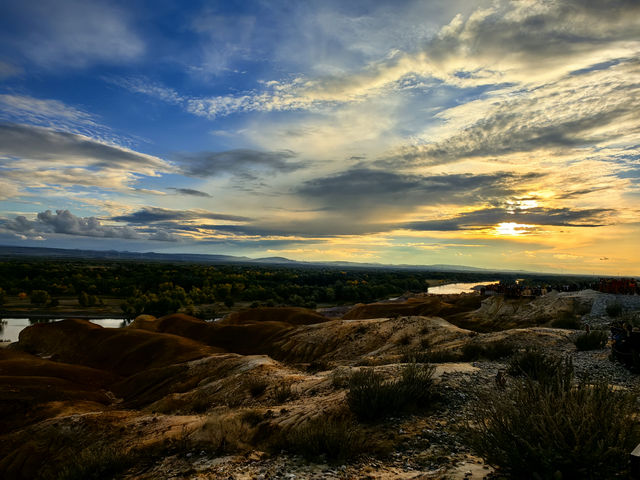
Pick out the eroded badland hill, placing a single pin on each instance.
(275, 392)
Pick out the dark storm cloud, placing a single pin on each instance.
(43, 144)
(63, 221)
(153, 214)
(237, 162)
(190, 191)
(369, 188)
(595, 217)
(66, 223)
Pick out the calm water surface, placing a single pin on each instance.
(13, 326)
(457, 288)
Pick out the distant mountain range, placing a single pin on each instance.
(61, 253)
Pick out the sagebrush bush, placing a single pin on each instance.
(594, 340)
(96, 463)
(318, 366)
(540, 367)
(340, 378)
(252, 417)
(335, 439)
(432, 356)
(567, 321)
(257, 386)
(537, 430)
(490, 351)
(282, 392)
(370, 397)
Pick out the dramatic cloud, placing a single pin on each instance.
(43, 112)
(592, 109)
(64, 222)
(368, 130)
(237, 162)
(491, 217)
(153, 214)
(364, 188)
(71, 33)
(29, 153)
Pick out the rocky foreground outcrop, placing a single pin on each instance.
(177, 397)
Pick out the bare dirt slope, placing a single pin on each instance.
(177, 397)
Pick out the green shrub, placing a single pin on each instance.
(567, 321)
(257, 386)
(340, 378)
(532, 431)
(318, 366)
(97, 463)
(40, 297)
(370, 397)
(252, 417)
(490, 351)
(545, 369)
(432, 356)
(416, 384)
(337, 440)
(594, 340)
(282, 392)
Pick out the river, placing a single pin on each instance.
(451, 288)
(11, 327)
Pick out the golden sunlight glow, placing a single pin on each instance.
(511, 229)
(526, 204)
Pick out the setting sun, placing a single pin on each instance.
(512, 229)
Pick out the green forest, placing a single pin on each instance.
(158, 288)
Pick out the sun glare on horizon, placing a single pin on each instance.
(511, 229)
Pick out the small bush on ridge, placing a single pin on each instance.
(432, 356)
(370, 397)
(282, 392)
(257, 386)
(490, 351)
(594, 340)
(338, 440)
(567, 321)
(545, 369)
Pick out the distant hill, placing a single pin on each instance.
(7, 252)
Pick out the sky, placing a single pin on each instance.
(499, 134)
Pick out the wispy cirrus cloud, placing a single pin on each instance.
(151, 88)
(47, 113)
(57, 34)
(576, 113)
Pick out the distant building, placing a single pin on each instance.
(619, 286)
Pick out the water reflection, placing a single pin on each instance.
(13, 326)
(33, 321)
